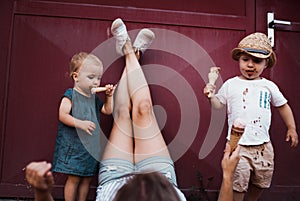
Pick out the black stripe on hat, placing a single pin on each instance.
(256, 51)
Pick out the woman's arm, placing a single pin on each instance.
(38, 175)
(229, 163)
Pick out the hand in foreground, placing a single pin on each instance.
(38, 175)
(229, 162)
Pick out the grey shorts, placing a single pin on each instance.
(114, 168)
(256, 165)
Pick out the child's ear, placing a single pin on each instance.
(267, 63)
(75, 76)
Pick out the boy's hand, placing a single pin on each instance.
(209, 90)
(292, 136)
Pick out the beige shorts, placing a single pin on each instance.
(256, 166)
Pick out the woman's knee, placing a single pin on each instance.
(122, 112)
(144, 108)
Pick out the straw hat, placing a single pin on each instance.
(257, 45)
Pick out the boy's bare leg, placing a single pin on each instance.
(238, 196)
(147, 136)
(254, 193)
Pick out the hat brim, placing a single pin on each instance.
(236, 53)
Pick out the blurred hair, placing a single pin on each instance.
(148, 187)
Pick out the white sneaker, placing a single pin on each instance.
(143, 40)
(119, 31)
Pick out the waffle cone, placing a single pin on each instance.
(235, 136)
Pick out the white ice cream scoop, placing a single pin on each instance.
(213, 76)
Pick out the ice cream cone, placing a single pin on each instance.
(237, 131)
(98, 89)
(213, 76)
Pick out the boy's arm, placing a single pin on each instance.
(209, 92)
(108, 106)
(215, 102)
(287, 115)
(229, 163)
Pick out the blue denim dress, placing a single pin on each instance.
(77, 152)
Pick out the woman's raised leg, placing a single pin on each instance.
(120, 144)
(134, 96)
(147, 136)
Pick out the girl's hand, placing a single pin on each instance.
(87, 126)
(110, 89)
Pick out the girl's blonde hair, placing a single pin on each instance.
(80, 58)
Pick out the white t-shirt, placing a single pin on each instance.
(250, 100)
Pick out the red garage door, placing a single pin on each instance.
(286, 181)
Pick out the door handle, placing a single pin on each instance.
(271, 25)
